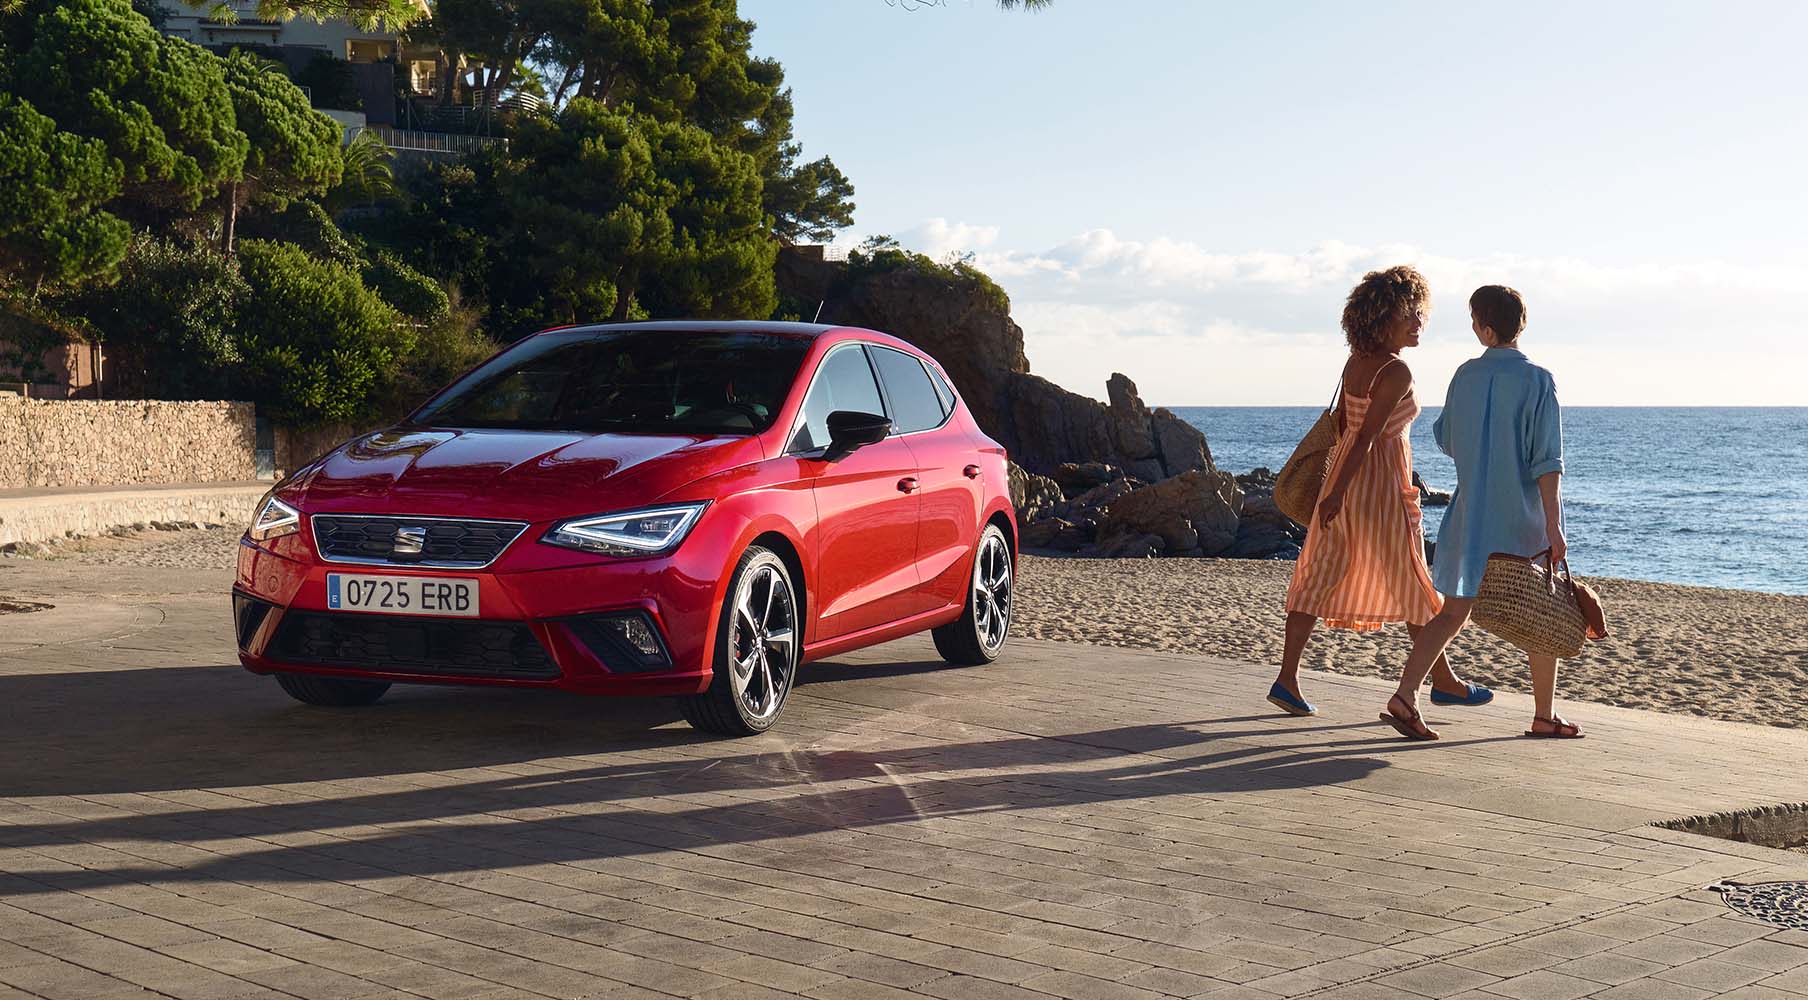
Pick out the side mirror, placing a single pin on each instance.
(850, 429)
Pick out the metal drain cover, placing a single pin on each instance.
(1782, 903)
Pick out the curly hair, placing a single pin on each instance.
(1378, 298)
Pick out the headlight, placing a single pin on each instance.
(273, 519)
(629, 533)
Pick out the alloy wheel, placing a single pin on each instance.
(762, 643)
(992, 591)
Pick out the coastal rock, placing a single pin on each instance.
(1078, 477)
(1058, 534)
(1180, 445)
(1096, 501)
(1032, 495)
(1131, 429)
(962, 321)
(1429, 497)
(1263, 532)
(1258, 482)
(1195, 509)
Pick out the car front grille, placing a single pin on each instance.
(399, 644)
(439, 541)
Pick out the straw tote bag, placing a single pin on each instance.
(1297, 487)
(1536, 606)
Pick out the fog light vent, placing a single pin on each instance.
(247, 614)
(626, 642)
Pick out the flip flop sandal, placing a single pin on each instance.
(1410, 725)
(1561, 729)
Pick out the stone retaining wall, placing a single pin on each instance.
(46, 442)
(40, 517)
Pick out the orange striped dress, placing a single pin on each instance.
(1368, 567)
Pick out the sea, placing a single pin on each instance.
(1703, 496)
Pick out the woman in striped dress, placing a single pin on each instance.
(1363, 564)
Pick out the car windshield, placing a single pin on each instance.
(627, 381)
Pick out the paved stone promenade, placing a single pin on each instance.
(1071, 822)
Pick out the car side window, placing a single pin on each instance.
(844, 381)
(912, 395)
(942, 390)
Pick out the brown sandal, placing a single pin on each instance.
(1408, 723)
(1561, 729)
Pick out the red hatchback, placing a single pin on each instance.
(676, 508)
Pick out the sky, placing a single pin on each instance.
(1186, 190)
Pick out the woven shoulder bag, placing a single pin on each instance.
(1532, 604)
(1300, 481)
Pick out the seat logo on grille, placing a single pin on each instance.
(408, 540)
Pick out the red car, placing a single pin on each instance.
(691, 509)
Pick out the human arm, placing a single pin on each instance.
(1544, 461)
(1550, 490)
(1389, 389)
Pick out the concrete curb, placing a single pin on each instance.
(38, 516)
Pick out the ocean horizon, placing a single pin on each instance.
(1707, 496)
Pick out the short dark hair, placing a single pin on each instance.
(1378, 298)
(1500, 309)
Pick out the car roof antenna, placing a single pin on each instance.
(818, 317)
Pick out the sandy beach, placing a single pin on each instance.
(1725, 654)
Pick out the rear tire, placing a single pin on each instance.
(758, 646)
(333, 692)
(979, 635)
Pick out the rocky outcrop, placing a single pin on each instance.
(963, 321)
(1429, 497)
(1194, 513)
(1263, 532)
(1031, 494)
(1045, 426)
(1111, 478)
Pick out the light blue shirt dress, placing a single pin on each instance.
(1502, 426)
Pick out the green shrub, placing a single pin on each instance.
(958, 275)
(414, 295)
(318, 345)
(443, 350)
(169, 321)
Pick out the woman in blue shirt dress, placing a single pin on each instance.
(1502, 426)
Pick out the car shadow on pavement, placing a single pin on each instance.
(96, 732)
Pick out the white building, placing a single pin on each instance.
(336, 37)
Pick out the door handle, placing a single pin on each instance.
(907, 485)
(971, 472)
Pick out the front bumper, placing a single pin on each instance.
(542, 626)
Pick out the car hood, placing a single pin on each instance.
(519, 475)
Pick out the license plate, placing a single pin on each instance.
(402, 595)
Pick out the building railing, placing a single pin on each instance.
(441, 143)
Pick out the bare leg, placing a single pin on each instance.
(1428, 646)
(1544, 684)
(1299, 630)
(1442, 677)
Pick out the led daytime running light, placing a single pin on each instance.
(274, 519)
(629, 533)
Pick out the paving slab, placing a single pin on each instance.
(1070, 821)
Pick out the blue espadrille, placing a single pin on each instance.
(1476, 695)
(1284, 700)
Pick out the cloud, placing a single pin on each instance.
(1195, 324)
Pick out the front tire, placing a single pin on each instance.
(758, 646)
(332, 692)
(979, 635)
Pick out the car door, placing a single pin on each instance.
(866, 504)
(948, 475)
